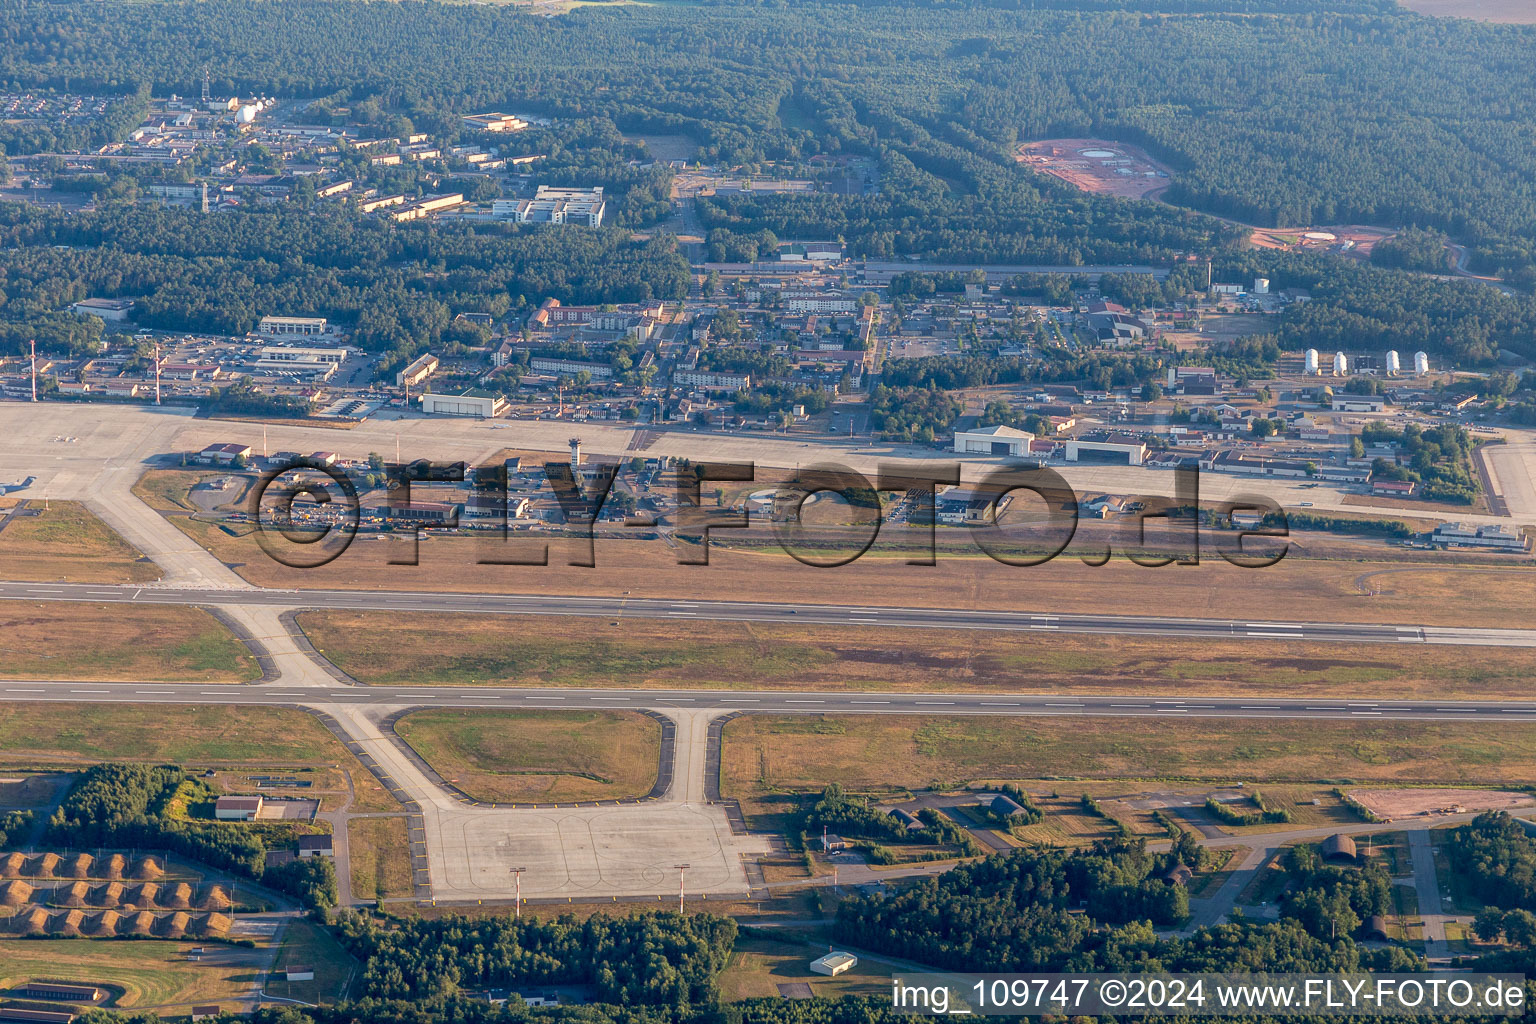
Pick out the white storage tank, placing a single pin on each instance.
(1311, 358)
(1394, 367)
(1261, 286)
(1340, 364)
(1420, 363)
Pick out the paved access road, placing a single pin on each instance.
(772, 701)
(761, 611)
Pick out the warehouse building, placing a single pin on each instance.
(59, 991)
(1357, 403)
(1123, 449)
(107, 309)
(423, 367)
(834, 963)
(1495, 538)
(483, 405)
(289, 326)
(237, 808)
(999, 440)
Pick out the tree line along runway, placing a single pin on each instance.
(768, 612)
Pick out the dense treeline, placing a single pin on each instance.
(133, 805)
(913, 414)
(1498, 858)
(14, 826)
(400, 285)
(1016, 913)
(664, 959)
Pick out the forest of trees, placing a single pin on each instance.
(664, 959)
(920, 414)
(1498, 858)
(1016, 913)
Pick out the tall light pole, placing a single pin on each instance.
(34, 369)
(157, 371)
(518, 873)
(681, 868)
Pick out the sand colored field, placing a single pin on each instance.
(1403, 803)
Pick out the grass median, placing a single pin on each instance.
(448, 650)
(93, 642)
(764, 754)
(62, 541)
(539, 756)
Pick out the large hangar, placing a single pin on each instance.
(1119, 449)
(1004, 441)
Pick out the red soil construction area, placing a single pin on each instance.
(1097, 166)
(1348, 239)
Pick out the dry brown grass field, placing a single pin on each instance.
(199, 735)
(538, 756)
(765, 754)
(448, 650)
(91, 642)
(380, 853)
(66, 542)
(148, 973)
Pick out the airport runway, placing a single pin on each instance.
(768, 701)
(769, 612)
